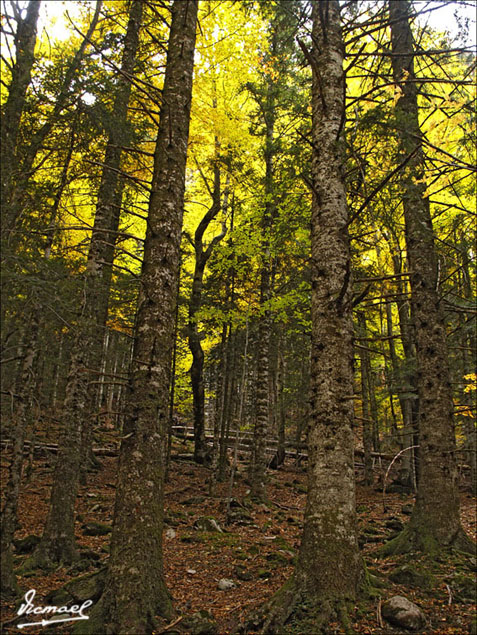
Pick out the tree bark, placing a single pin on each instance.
(202, 256)
(367, 423)
(25, 40)
(329, 568)
(58, 540)
(22, 414)
(435, 521)
(262, 398)
(135, 589)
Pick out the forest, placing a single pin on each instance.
(238, 317)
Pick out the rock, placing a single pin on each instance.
(81, 566)
(207, 523)
(278, 559)
(225, 584)
(194, 500)
(78, 590)
(201, 623)
(463, 588)
(26, 545)
(170, 533)
(232, 503)
(407, 509)
(95, 529)
(408, 576)
(401, 612)
(240, 516)
(243, 573)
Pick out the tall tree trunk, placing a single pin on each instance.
(262, 406)
(135, 589)
(22, 413)
(367, 422)
(202, 256)
(435, 521)
(329, 568)
(25, 40)
(58, 540)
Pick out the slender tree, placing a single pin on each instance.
(58, 540)
(25, 40)
(202, 255)
(435, 521)
(20, 419)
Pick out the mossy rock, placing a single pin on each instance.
(200, 623)
(278, 559)
(208, 524)
(194, 500)
(411, 577)
(26, 545)
(217, 540)
(80, 589)
(240, 516)
(463, 588)
(81, 566)
(94, 528)
(243, 573)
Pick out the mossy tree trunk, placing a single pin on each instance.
(329, 564)
(435, 521)
(329, 568)
(135, 589)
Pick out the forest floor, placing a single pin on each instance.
(260, 545)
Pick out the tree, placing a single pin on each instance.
(435, 521)
(58, 540)
(135, 589)
(25, 40)
(21, 413)
(329, 569)
(201, 258)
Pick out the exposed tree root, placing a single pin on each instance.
(416, 538)
(302, 612)
(47, 560)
